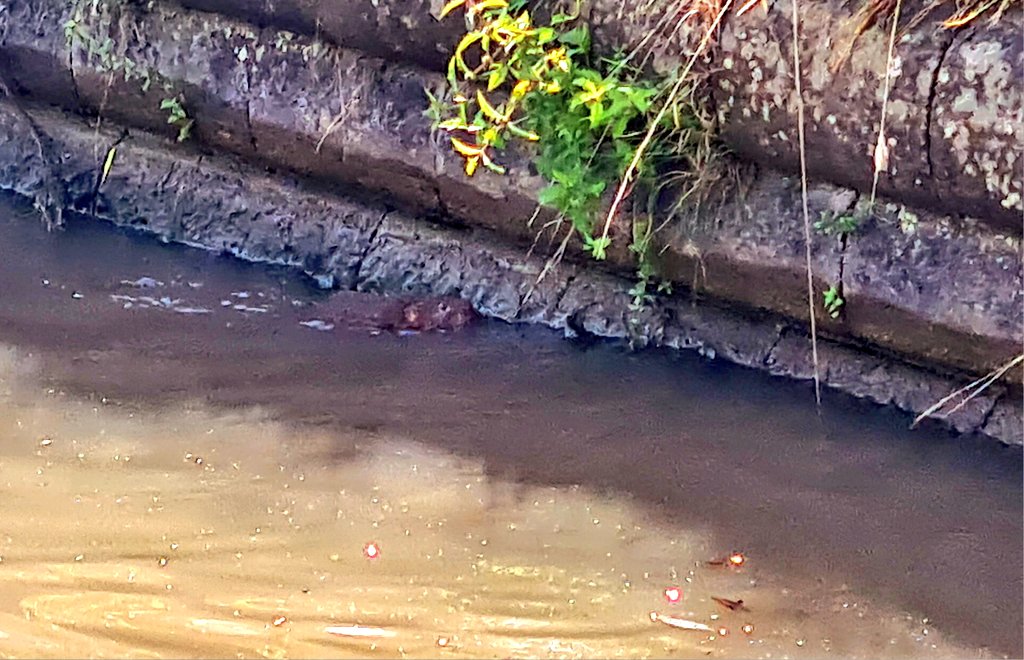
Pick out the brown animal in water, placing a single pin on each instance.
(443, 314)
(356, 311)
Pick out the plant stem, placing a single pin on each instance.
(653, 127)
(885, 97)
(803, 199)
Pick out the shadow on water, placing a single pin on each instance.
(848, 502)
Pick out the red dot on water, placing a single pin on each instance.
(371, 551)
(673, 594)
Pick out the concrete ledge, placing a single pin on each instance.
(944, 292)
(222, 204)
(955, 118)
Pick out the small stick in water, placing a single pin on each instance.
(734, 605)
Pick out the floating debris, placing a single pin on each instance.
(46, 442)
(734, 605)
(317, 324)
(247, 308)
(371, 551)
(443, 641)
(143, 283)
(240, 294)
(76, 295)
(279, 621)
(747, 628)
(166, 302)
(359, 631)
(192, 310)
(673, 594)
(682, 624)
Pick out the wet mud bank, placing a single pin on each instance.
(938, 290)
(224, 204)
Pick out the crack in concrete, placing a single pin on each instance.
(356, 270)
(929, 113)
(248, 127)
(561, 294)
(74, 78)
(979, 428)
(782, 331)
(167, 177)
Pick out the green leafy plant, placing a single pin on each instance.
(510, 79)
(178, 117)
(834, 302)
(647, 271)
(103, 52)
(835, 224)
(77, 33)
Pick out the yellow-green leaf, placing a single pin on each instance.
(464, 149)
(497, 77)
(467, 41)
(450, 7)
(108, 163)
(484, 5)
(519, 132)
(489, 110)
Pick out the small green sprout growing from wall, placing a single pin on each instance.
(103, 53)
(177, 117)
(835, 224)
(833, 301)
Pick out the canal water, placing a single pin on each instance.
(186, 469)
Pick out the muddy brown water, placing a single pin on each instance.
(186, 470)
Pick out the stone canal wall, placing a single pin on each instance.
(310, 147)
